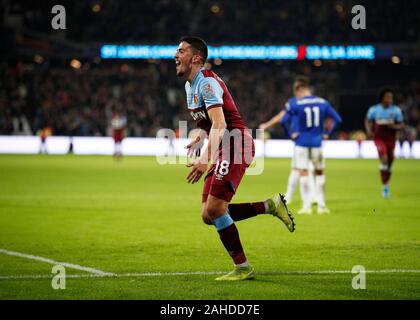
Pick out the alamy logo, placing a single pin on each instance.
(59, 20)
(359, 280)
(236, 147)
(359, 20)
(59, 280)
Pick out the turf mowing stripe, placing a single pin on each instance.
(160, 274)
(50, 261)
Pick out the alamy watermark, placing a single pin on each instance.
(359, 280)
(359, 20)
(221, 147)
(58, 281)
(58, 22)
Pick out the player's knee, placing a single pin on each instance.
(214, 210)
(204, 215)
(206, 219)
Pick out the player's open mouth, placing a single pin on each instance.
(178, 63)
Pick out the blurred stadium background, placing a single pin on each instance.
(58, 79)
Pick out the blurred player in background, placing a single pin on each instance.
(382, 122)
(43, 134)
(311, 112)
(359, 136)
(264, 136)
(408, 134)
(294, 174)
(212, 107)
(289, 125)
(170, 149)
(119, 124)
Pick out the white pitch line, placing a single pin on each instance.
(163, 274)
(340, 271)
(54, 262)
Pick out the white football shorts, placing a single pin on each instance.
(304, 156)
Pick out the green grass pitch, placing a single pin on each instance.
(137, 217)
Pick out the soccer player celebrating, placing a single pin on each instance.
(382, 122)
(311, 112)
(212, 107)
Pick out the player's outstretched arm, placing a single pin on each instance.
(273, 121)
(284, 121)
(217, 131)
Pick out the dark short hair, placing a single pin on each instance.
(383, 92)
(198, 44)
(301, 82)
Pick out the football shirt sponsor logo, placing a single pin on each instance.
(384, 121)
(198, 115)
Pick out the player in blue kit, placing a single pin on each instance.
(289, 125)
(311, 112)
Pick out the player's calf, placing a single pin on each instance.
(305, 192)
(320, 191)
(292, 183)
(242, 211)
(227, 230)
(385, 172)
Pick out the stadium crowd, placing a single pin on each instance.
(38, 92)
(80, 101)
(233, 21)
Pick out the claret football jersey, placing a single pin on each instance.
(382, 117)
(207, 91)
